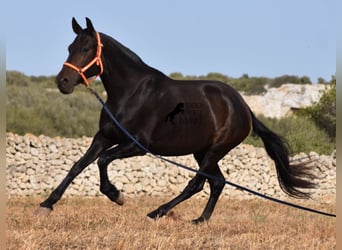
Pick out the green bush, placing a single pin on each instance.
(301, 134)
(323, 113)
(46, 111)
(250, 85)
(18, 79)
(278, 81)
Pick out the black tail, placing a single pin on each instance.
(290, 176)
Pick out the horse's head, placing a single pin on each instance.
(84, 58)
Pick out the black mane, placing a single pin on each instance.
(125, 50)
(130, 54)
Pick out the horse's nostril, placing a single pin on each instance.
(63, 81)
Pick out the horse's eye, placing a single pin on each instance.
(85, 49)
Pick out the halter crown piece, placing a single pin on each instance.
(96, 60)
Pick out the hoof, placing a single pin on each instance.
(157, 214)
(42, 212)
(169, 217)
(199, 221)
(149, 219)
(121, 199)
(153, 215)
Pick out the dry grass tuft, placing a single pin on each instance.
(96, 223)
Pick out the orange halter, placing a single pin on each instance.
(96, 60)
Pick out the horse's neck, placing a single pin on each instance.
(120, 83)
(122, 70)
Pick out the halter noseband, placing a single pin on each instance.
(96, 60)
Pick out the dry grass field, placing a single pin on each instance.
(96, 223)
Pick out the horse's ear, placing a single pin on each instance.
(90, 25)
(76, 27)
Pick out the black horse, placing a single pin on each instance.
(209, 118)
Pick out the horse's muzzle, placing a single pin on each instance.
(64, 87)
(64, 84)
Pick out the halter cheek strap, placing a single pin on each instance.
(97, 60)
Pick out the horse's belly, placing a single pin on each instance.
(181, 140)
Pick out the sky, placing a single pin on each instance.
(194, 37)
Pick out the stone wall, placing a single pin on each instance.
(36, 165)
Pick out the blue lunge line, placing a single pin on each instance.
(197, 171)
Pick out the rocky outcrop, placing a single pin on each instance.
(36, 165)
(278, 102)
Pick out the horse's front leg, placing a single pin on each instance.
(118, 152)
(98, 145)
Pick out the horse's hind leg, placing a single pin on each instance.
(216, 187)
(194, 186)
(208, 164)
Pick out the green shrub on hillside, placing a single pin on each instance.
(323, 113)
(15, 78)
(301, 134)
(278, 81)
(45, 111)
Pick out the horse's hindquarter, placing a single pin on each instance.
(191, 116)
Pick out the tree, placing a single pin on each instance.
(278, 81)
(17, 78)
(321, 80)
(176, 76)
(323, 113)
(245, 76)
